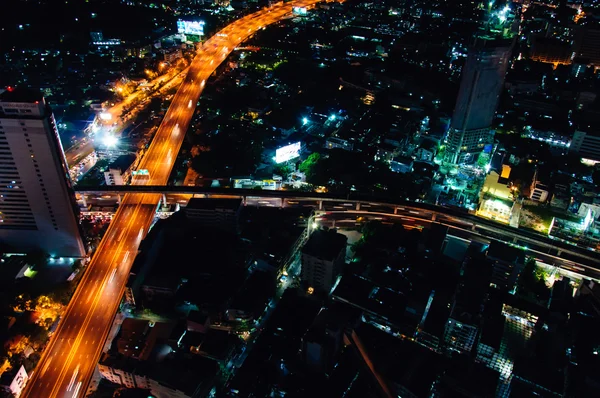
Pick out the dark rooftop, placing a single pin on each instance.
(21, 95)
(503, 252)
(325, 244)
(123, 162)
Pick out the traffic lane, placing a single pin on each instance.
(98, 326)
(255, 201)
(62, 340)
(69, 331)
(314, 204)
(76, 154)
(76, 364)
(342, 219)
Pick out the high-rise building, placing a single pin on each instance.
(480, 87)
(37, 204)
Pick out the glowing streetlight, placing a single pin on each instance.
(105, 116)
(304, 121)
(110, 141)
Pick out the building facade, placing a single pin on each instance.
(586, 145)
(481, 84)
(323, 258)
(37, 204)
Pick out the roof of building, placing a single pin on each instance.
(465, 378)
(325, 244)
(199, 317)
(403, 160)
(213, 204)
(503, 252)
(492, 331)
(428, 144)
(21, 95)
(123, 162)
(365, 295)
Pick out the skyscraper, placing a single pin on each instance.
(480, 87)
(37, 206)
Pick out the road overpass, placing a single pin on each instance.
(69, 359)
(365, 205)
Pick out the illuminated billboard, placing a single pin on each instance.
(299, 10)
(287, 152)
(190, 27)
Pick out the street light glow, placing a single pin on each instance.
(105, 116)
(110, 141)
(304, 121)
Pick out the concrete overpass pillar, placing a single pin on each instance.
(244, 201)
(357, 206)
(558, 253)
(282, 204)
(395, 210)
(164, 199)
(433, 216)
(515, 239)
(333, 224)
(473, 227)
(119, 198)
(83, 200)
(320, 205)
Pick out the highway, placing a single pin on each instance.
(330, 203)
(68, 361)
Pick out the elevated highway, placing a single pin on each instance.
(581, 259)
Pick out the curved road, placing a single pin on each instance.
(68, 362)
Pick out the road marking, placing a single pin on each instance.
(46, 366)
(121, 235)
(112, 275)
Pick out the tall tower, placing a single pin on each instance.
(480, 88)
(37, 206)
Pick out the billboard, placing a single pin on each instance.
(287, 152)
(299, 10)
(190, 27)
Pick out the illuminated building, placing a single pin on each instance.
(538, 191)
(481, 84)
(37, 204)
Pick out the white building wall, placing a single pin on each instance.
(36, 201)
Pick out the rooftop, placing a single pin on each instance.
(325, 244)
(123, 162)
(503, 252)
(21, 95)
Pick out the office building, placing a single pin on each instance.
(119, 171)
(480, 88)
(586, 145)
(323, 258)
(37, 204)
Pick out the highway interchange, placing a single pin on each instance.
(68, 361)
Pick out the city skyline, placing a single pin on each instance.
(299, 198)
